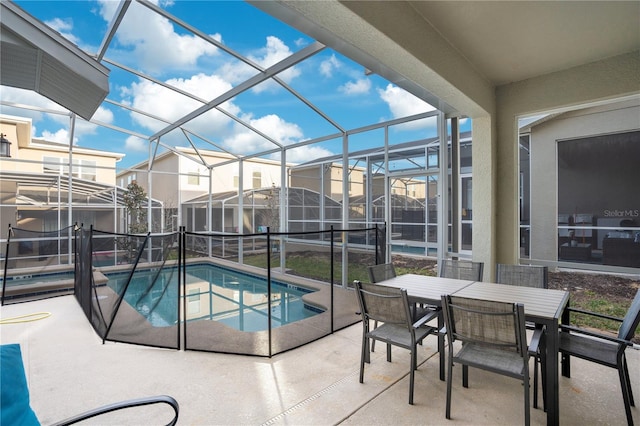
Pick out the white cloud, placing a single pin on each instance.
(170, 105)
(302, 154)
(134, 143)
(154, 41)
(402, 103)
(358, 87)
(64, 27)
(244, 141)
(328, 65)
(28, 97)
(61, 136)
(274, 51)
(50, 133)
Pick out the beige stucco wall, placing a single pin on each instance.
(607, 79)
(27, 154)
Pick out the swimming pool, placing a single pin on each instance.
(38, 284)
(214, 293)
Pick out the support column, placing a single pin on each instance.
(485, 217)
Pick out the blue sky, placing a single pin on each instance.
(168, 53)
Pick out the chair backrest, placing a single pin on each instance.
(522, 275)
(387, 304)
(486, 322)
(381, 272)
(461, 269)
(631, 319)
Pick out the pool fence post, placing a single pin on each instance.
(331, 278)
(376, 243)
(6, 262)
(180, 289)
(269, 286)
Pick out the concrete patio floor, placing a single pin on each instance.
(69, 371)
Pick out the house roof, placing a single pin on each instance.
(40, 190)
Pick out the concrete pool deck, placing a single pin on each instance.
(69, 370)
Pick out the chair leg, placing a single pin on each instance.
(364, 356)
(449, 380)
(388, 352)
(373, 343)
(535, 382)
(625, 393)
(626, 373)
(527, 410)
(412, 374)
(465, 376)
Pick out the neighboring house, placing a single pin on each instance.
(326, 178)
(581, 171)
(181, 176)
(36, 186)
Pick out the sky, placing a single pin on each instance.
(170, 55)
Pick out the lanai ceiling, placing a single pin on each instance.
(500, 41)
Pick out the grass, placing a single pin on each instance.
(593, 302)
(319, 268)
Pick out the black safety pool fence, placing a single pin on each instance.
(37, 264)
(253, 294)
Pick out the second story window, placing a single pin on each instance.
(193, 178)
(83, 169)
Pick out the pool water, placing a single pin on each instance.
(214, 293)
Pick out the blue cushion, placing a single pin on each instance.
(14, 393)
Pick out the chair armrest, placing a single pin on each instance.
(425, 319)
(598, 335)
(538, 335)
(594, 314)
(162, 399)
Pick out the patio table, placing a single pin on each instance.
(542, 306)
(428, 290)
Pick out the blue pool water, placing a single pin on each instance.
(214, 293)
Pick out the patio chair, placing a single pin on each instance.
(14, 395)
(391, 307)
(493, 337)
(381, 272)
(529, 276)
(377, 273)
(604, 349)
(461, 269)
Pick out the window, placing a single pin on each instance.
(83, 169)
(257, 180)
(598, 202)
(193, 178)
(52, 165)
